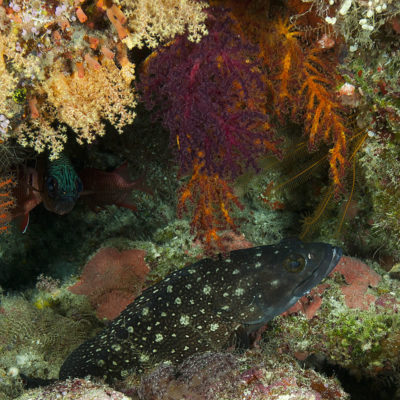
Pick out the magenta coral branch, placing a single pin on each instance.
(211, 97)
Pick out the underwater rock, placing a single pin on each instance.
(74, 389)
(212, 376)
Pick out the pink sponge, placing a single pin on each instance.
(112, 279)
(359, 277)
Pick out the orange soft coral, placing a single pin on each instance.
(213, 202)
(6, 201)
(305, 83)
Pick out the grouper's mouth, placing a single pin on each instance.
(304, 286)
(336, 256)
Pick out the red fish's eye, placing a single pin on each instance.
(78, 185)
(51, 184)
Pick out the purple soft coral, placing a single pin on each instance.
(211, 96)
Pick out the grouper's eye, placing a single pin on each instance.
(294, 263)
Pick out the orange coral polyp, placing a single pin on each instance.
(82, 17)
(7, 204)
(32, 106)
(117, 18)
(92, 62)
(80, 70)
(107, 52)
(6, 182)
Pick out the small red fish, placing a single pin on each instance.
(101, 188)
(58, 188)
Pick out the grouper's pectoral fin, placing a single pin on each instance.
(250, 312)
(244, 336)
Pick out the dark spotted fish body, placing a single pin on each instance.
(199, 307)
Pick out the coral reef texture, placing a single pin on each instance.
(138, 137)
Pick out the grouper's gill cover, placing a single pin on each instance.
(199, 307)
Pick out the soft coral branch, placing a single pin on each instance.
(212, 100)
(6, 201)
(213, 202)
(323, 114)
(305, 83)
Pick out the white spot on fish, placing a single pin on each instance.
(145, 310)
(178, 301)
(257, 264)
(239, 292)
(235, 271)
(214, 327)
(144, 358)
(159, 337)
(169, 288)
(207, 289)
(184, 320)
(116, 347)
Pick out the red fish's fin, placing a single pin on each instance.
(101, 188)
(22, 221)
(122, 171)
(126, 205)
(137, 184)
(140, 185)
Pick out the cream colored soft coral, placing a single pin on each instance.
(7, 86)
(83, 103)
(103, 93)
(153, 22)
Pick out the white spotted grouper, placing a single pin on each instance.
(200, 307)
